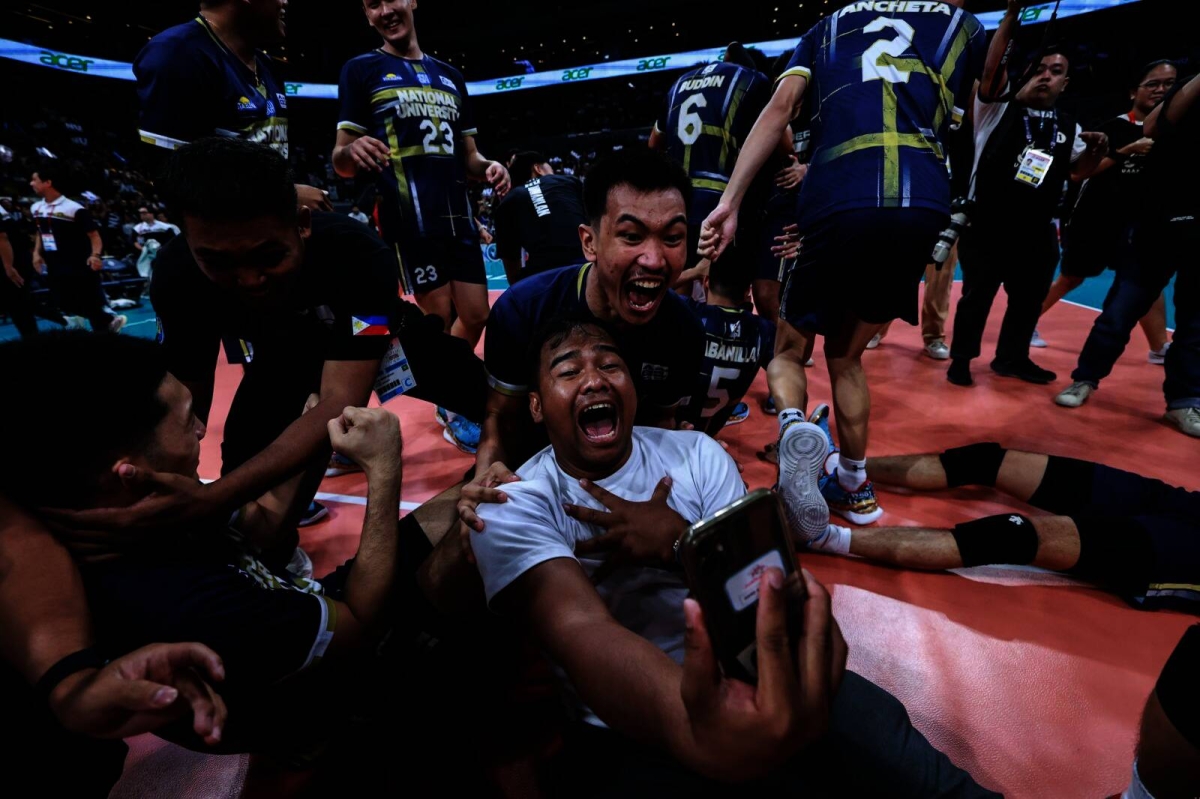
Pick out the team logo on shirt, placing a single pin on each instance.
(735, 329)
(391, 77)
(447, 83)
(423, 78)
(282, 100)
(244, 104)
(654, 371)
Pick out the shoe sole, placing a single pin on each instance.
(1041, 346)
(1157, 361)
(1074, 402)
(1171, 421)
(736, 420)
(1038, 382)
(944, 356)
(319, 516)
(446, 434)
(859, 518)
(802, 452)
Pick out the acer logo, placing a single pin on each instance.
(509, 83)
(65, 61)
(652, 63)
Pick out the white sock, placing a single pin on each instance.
(835, 540)
(851, 473)
(788, 416)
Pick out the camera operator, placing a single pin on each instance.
(1024, 152)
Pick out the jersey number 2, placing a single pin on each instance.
(690, 124)
(871, 68)
(432, 133)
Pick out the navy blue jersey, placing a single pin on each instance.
(190, 86)
(886, 82)
(710, 112)
(418, 108)
(663, 355)
(737, 343)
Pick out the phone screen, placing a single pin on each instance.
(724, 558)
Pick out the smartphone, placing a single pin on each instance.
(724, 557)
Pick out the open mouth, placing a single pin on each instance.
(391, 25)
(643, 292)
(599, 422)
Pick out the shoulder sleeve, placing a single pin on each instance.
(970, 67)
(519, 534)
(716, 474)
(83, 218)
(987, 117)
(466, 122)
(365, 302)
(354, 103)
(805, 55)
(186, 330)
(504, 347)
(177, 94)
(508, 239)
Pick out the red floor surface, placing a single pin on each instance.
(1032, 682)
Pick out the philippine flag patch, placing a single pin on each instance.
(370, 325)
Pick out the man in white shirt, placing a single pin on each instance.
(633, 652)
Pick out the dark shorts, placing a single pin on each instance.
(1090, 248)
(863, 264)
(429, 263)
(780, 214)
(77, 292)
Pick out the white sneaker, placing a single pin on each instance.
(1075, 395)
(811, 362)
(301, 564)
(802, 451)
(937, 350)
(875, 341)
(76, 323)
(1186, 419)
(117, 323)
(1037, 341)
(1159, 357)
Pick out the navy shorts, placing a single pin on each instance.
(427, 263)
(864, 265)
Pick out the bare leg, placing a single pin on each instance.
(851, 396)
(1063, 286)
(1154, 324)
(1020, 472)
(471, 301)
(785, 374)
(766, 298)
(436, 303)
(933, 549)
(447, 578)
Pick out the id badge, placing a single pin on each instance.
(395, 376)
(1034, 167)
(48, 244)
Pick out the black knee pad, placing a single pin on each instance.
(1008, 539)
(1176, 688)
(1066, 487)
(974, 465)
(1114, 552)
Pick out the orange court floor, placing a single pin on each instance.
(1031, 681)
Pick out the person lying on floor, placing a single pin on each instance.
(279, 635)
(650, 701)
(1135, 536)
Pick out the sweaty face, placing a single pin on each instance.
(254, 257)
(392, 18)
(1154, 87)
(587, 401)
(176, 445)
(1048, 83)
(639, 249)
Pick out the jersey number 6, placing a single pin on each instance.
(690, 124)
(872, 68)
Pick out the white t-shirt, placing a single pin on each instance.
(532, 528)
(987, 118)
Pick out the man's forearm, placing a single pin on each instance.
(1001, 42)
(370, 581)
(97, 243)
(6, 252)
(343, 164)
(477, 165)
(1181, 103)
(762, 142)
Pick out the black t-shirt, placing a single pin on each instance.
(1173, 167)
(542, 218)
(1110, 197)
(64, 226)
(339, 305)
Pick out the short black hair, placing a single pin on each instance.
(729, 277)
(1141, 74)
(748, 57)
(1061, 49)
(640, 168)
(222, 178)
(523, 164)
(59, 441)
(54, 171)
(557, 330)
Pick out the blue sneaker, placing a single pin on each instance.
(820, 417)
(769, 408)
(801, 455)
(339, 465)
(741, 412)
(463, 433)
(858, 507)
(313, 514)
(441, 416)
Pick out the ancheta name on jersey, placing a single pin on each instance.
(424, 103)
(898, 7)
(730, 353)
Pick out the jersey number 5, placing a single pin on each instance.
(718, 397)
(432, 134)
(872, 68)
(690, 124)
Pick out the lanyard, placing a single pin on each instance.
(1029, 132)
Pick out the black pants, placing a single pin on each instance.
(871, 749)
(1023, 261)
(278, 381)
(18, 304)
(79, 293)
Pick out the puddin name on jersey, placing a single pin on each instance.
(702, 83)
(898, 7)
(426, 103)
(731, 353)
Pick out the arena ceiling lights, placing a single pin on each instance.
(100, 67)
